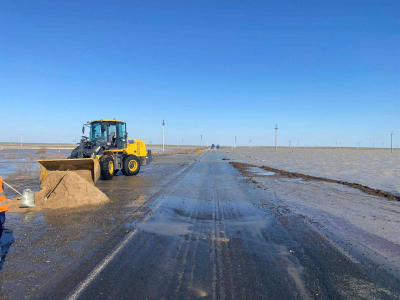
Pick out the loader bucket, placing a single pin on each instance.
(149, 157)
(79, 165)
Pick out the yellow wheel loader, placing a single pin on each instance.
(104, 152)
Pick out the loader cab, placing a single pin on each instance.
(112, 132)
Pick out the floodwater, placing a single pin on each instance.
(25, 160)
(259, 171)
(376, 168)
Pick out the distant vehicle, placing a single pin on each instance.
(217, 146)
(212, 146)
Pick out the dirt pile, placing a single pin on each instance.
(74, 190)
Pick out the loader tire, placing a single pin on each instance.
(130, 165)
(106, 167)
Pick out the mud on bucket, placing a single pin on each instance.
(27, 199)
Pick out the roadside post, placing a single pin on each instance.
(391, 142)
(163, 134)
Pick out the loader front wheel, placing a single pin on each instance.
(131, 165)
(107, 167)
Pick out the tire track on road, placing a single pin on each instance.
(100, 267)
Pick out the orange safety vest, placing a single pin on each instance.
(3, 199)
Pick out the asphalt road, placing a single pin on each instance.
(212, 233)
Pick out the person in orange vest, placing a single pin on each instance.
(3, 209)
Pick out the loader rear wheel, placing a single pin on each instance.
(107, 167)
(130, 165)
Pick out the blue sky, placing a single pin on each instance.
(324, 71)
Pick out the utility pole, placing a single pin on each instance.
(276, 138)
(21, 139)
(163, 134)
(391, 142)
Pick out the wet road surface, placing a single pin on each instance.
(212, 233)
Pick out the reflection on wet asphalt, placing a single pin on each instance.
(212, 234)
(7, 240)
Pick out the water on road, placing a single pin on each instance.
(212, 234)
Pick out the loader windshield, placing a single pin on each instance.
(96, 134)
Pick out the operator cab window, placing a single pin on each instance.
(121, 135)
(95, 132)
(112, 136)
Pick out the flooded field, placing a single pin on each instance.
(376, 168)
(172, 149)
(23, 162)
(20, 168)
